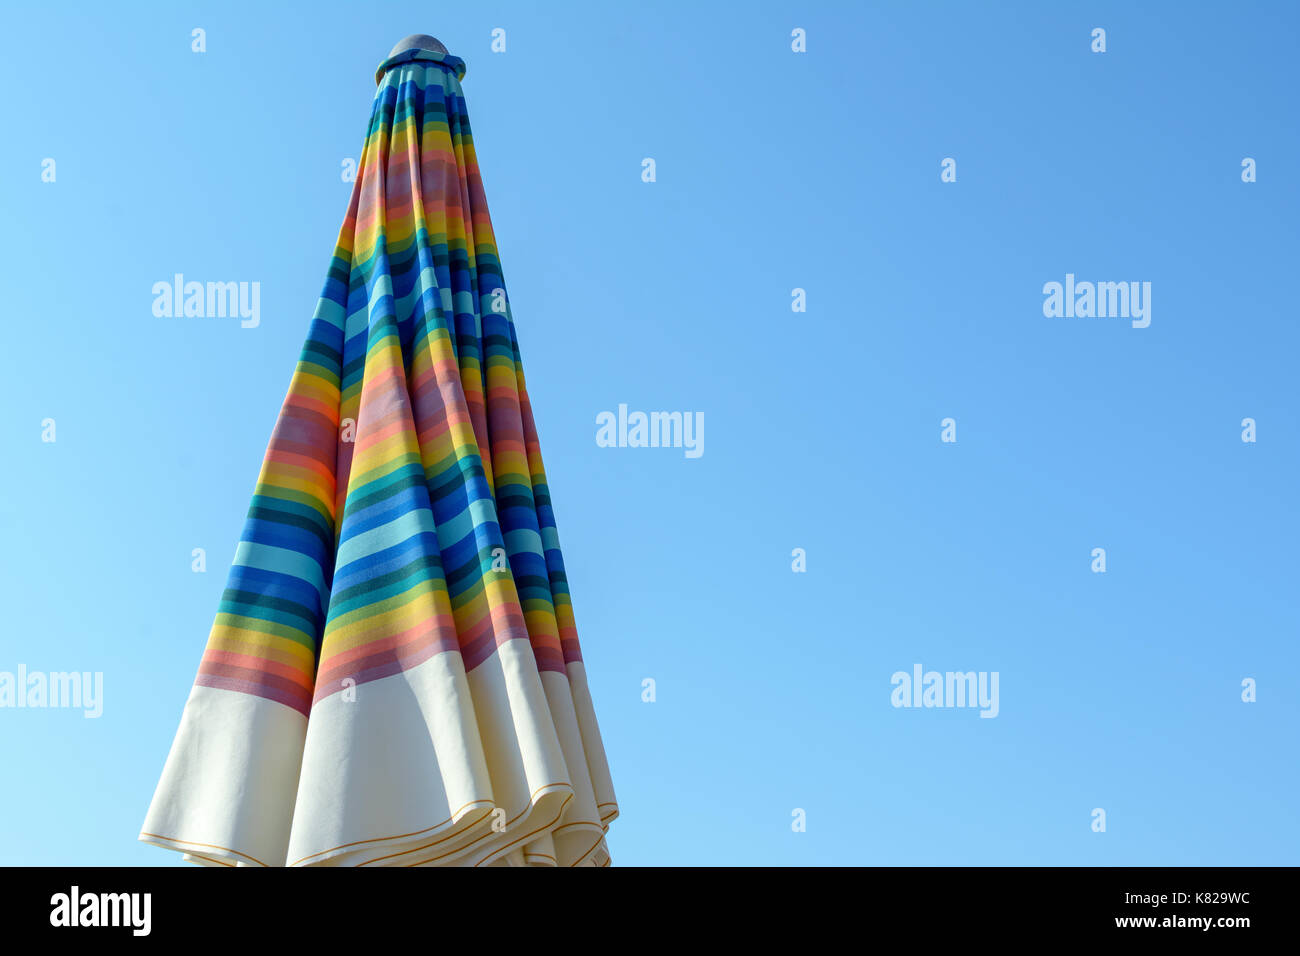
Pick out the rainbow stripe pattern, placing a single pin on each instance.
(393, 677)
(402, 508)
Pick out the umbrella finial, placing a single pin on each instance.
(418, 41)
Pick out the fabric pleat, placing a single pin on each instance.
(393, 677)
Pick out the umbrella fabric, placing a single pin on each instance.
(393, 677)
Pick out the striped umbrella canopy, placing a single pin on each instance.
(393, 677)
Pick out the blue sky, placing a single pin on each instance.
(775, 170)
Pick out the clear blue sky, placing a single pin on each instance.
(775, 170)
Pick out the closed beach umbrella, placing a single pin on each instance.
(393, 677)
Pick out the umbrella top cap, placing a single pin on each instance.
(417, 41)
(420, 46)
